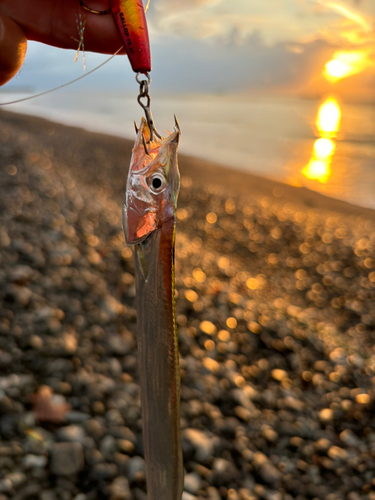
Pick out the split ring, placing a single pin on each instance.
(92, 11)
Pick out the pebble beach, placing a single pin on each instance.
(275, 291)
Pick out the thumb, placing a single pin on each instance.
(13, 45)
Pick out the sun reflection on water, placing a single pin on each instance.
(328, 125)
(344, 63)
(324, 147)
(329, 118)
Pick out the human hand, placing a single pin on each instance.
(52, 22)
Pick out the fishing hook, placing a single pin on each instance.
(145, 145)
(144, 87)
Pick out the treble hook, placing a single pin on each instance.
(144, 87)
(145, 145)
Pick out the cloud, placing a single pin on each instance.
(273, 44)
(353, 26)
(252, 66)
(204, 46)
(276, 21)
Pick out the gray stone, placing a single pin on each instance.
(213, 493)
(76, 417)
(5, 485)
(188, 496)
(115, 367)
(119, 489)
(48, 495)
(220, 465)
(71, 433)
(273, 495)
(33, 461)
(104, 471)
(108, 446)
(120, 344)
(353, 495)
(16, 478)
(269, 473)
(21, 274)
(192, 482)
(349, 438)
(203, 443)
(66, 458)
(136, 468)
(20, 294)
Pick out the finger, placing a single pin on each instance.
(13, 45)
(55, 23)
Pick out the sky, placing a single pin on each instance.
(226, 46)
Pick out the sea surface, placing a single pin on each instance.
(268, 136)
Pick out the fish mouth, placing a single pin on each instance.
(173, 138)
(177, 131)
(144, 137)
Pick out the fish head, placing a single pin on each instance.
(153, 184)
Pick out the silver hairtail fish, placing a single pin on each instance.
(149, 220)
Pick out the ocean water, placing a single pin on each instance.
(269, 136)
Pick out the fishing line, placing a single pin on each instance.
(63, 85)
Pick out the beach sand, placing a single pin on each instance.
(276, 315)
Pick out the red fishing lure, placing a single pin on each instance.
(131, 23)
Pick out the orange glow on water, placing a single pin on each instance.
(323, 148)
(346, 63)
(319, 167)
(328, 124)
(318, 170)
(343, 64)
(329, 117)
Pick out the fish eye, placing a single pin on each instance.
(157, 183)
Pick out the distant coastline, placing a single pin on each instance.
(202, 172)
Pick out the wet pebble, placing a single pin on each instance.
(104, 471)
(5, 486)
(192, 483)
(203, 444)
(136, 469)
(71, 433)
(188, 496)
(31, 461)
(66, 458)
(119, 489)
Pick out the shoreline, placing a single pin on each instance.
(205, 172)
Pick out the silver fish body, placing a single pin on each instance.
(149, 225)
